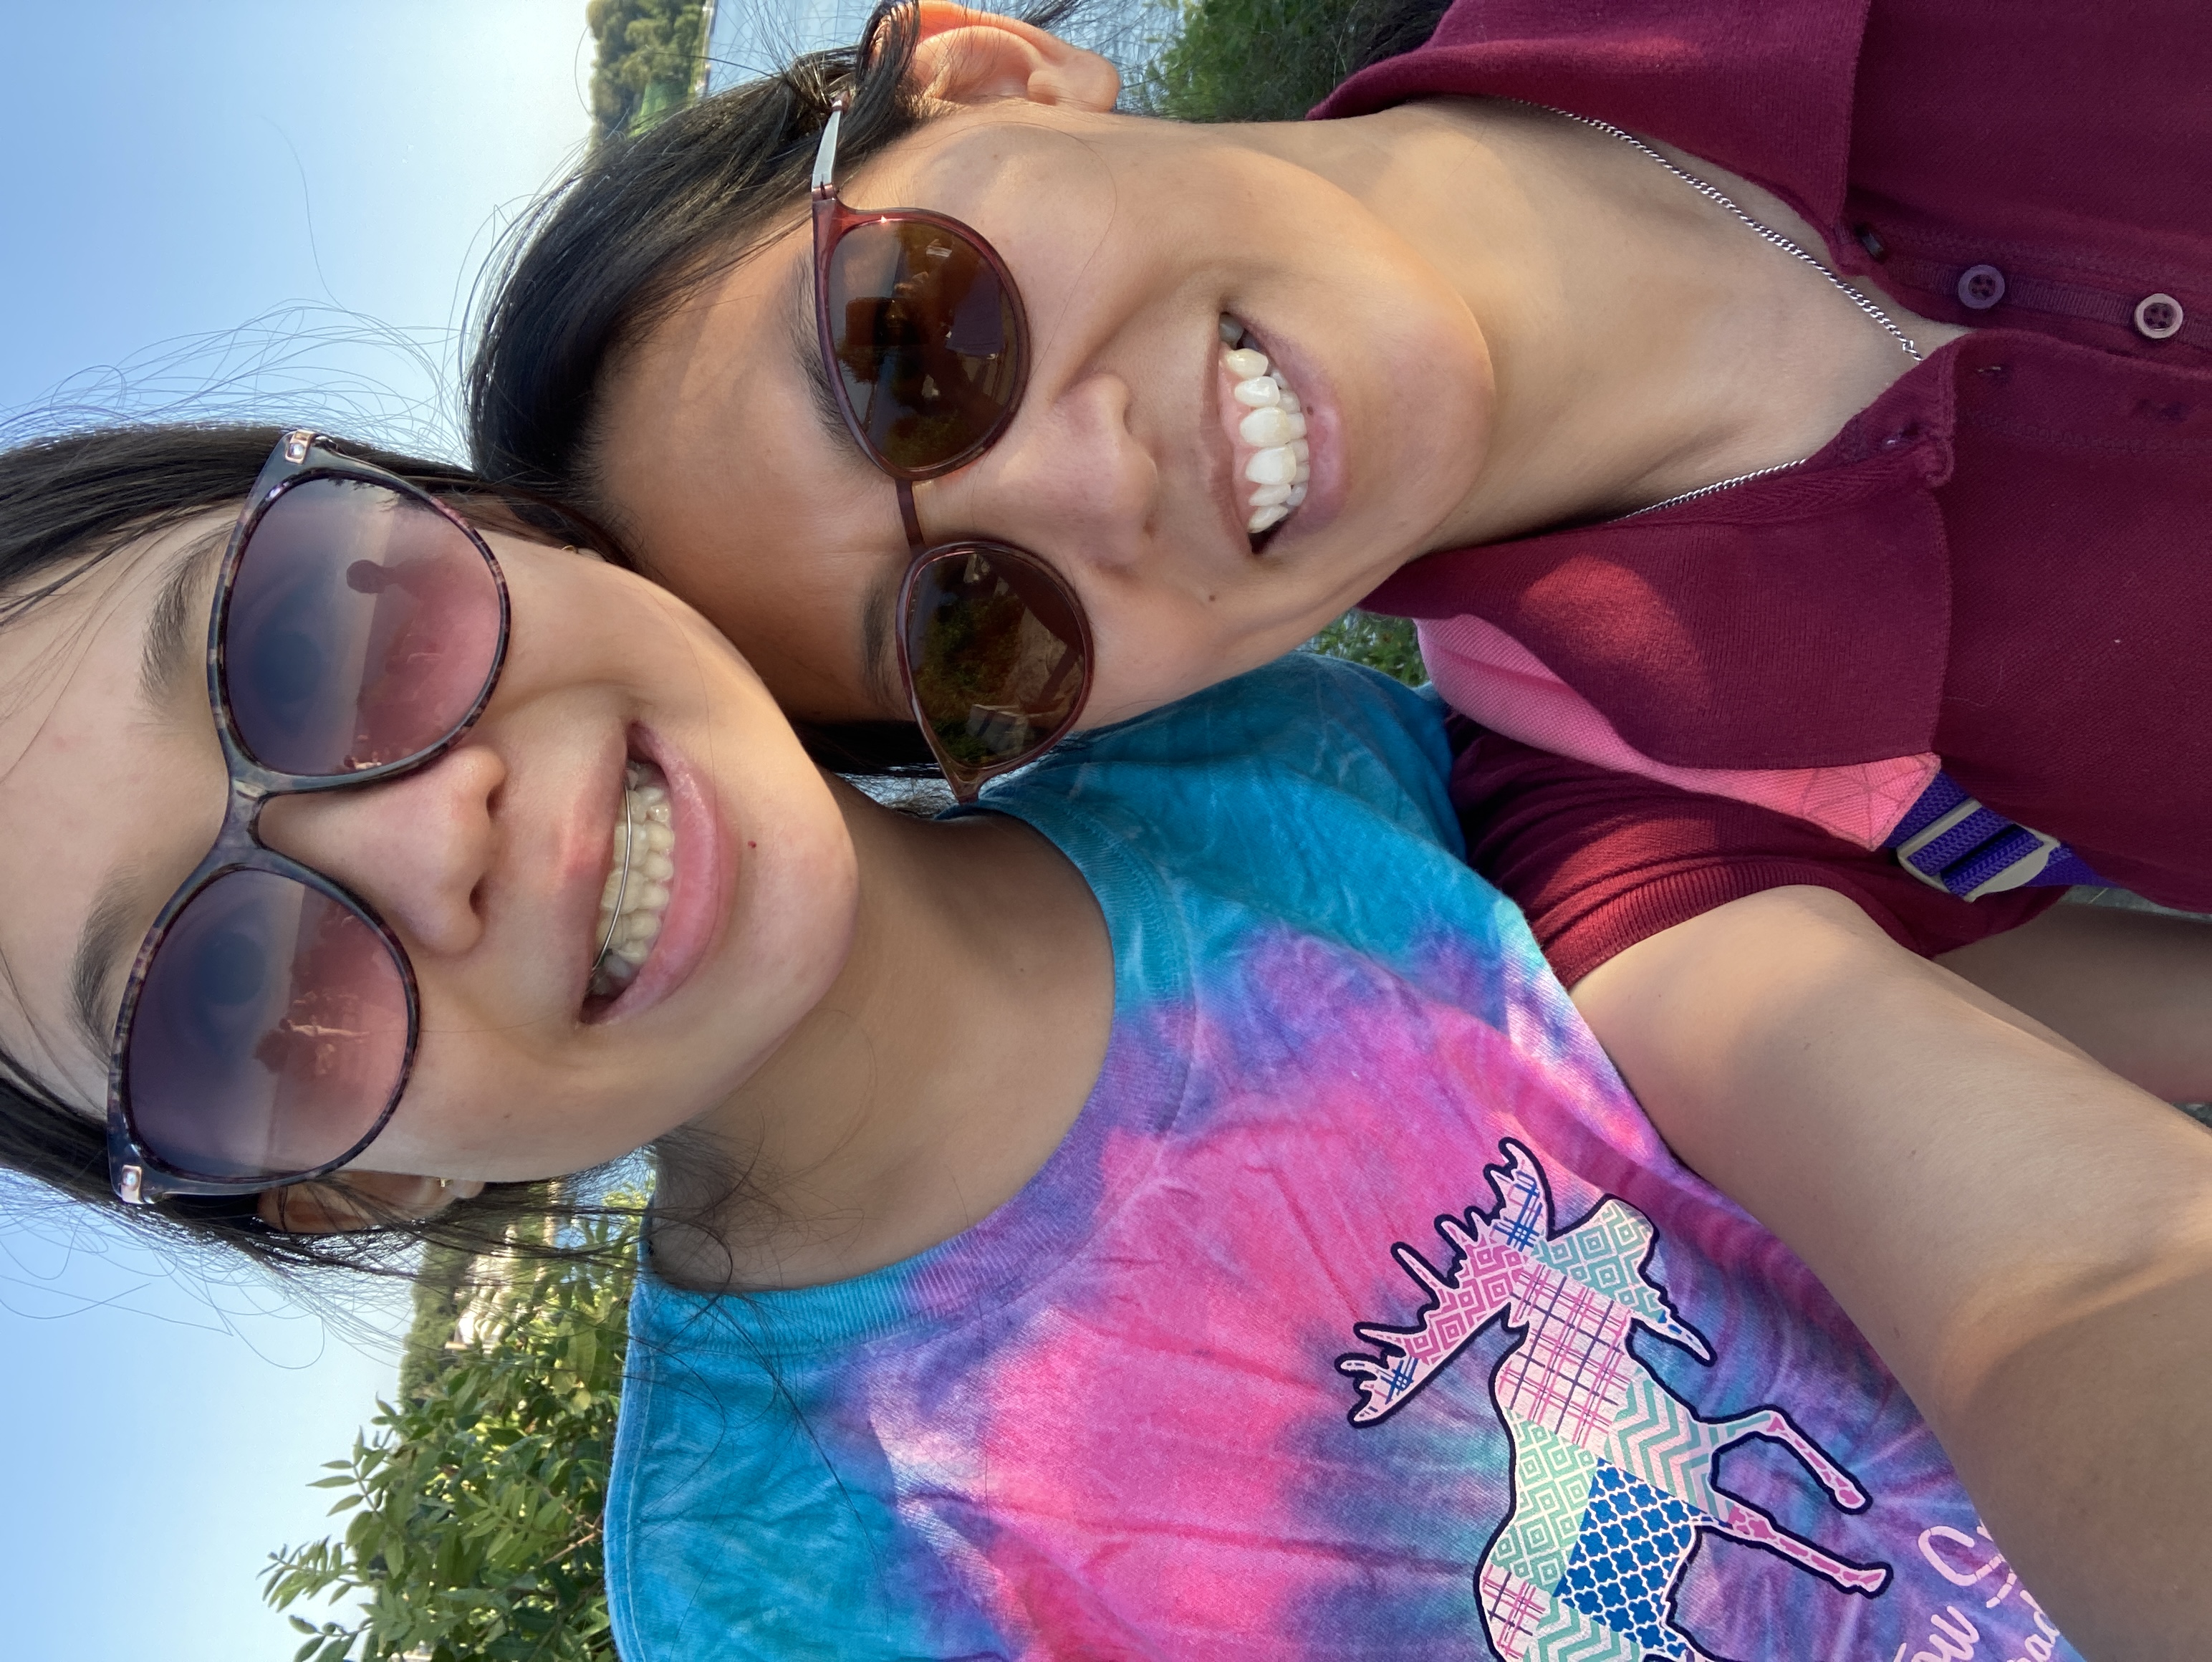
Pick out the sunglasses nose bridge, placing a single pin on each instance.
(417, 848)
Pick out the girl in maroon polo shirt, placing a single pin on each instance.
(1806, 414)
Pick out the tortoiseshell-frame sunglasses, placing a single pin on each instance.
(269, 1022)
(927, 347)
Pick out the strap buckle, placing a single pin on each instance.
(2010, 856)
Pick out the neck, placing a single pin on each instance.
(943, 1067)
(1643, 341)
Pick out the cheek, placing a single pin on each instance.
(1159, 643)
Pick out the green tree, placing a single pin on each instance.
(649, 53)
(1272, 60)
(476, 1500)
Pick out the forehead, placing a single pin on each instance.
(738, 487)
(93, 781)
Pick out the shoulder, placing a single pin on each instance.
(1306, 737)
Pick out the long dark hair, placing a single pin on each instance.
(66, 504)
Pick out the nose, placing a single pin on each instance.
(1068, 479)
(419, 849)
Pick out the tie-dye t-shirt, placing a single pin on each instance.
(1360, 1314)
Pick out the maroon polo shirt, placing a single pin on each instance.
(2006, 559)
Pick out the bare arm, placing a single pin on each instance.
(2025, 1237)
(2132, 989)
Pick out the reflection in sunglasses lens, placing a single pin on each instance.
(363, 627)
(926, 340)
(996, 654)
(270, 1032)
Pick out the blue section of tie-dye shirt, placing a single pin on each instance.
(1360, 1314)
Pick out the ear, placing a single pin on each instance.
(334, 1205)
(974, 56)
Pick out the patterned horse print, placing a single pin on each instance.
(1612, 1473)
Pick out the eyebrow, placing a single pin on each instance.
(877, 660)
(167, 656)
(806, 342)
(171, 650)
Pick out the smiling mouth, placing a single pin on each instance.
(1273, 463)
(636, 894)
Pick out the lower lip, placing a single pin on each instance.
(1324, 438)
(700, 893)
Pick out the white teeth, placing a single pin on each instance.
(1274, 425)
(637, 892)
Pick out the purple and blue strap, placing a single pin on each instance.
(1951, 842)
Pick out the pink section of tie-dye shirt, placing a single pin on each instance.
(1078, 1482)
(1485, 674)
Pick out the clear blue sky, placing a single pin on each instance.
(176, 169)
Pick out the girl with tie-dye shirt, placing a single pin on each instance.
(1357, 1313)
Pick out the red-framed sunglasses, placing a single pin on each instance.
(269, 1022)
(927, 351)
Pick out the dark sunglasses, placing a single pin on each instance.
(927, 350)
(271, 1018)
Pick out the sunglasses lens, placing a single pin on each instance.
(926, 338)
(995, 654)
(362, 628)
(269, 1035)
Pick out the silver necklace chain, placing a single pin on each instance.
(1768, 234)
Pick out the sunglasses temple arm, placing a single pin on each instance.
(825, 153)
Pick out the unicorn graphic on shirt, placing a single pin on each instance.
(1612, 1473)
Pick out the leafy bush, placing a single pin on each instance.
(1272, 60)
(1380, 642)
(476, 1498)
(649, 53)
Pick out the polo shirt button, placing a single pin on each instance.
(1981, 286)
(2158, 316)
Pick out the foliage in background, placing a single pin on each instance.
(476, 1498)
(649, 56)
(1272, 60)
(1380, 642)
